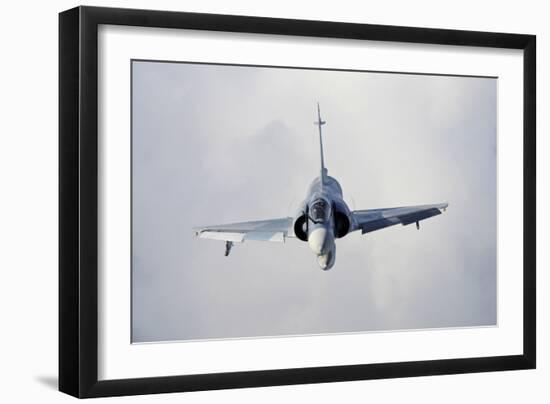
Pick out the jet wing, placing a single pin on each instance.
(262, 230)
(376, 219)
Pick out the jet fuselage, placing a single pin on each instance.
(323, 217)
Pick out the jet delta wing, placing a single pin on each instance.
(260, 230)
(376, 219)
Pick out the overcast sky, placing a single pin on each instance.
(221, 144)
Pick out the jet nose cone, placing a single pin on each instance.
(317, 240)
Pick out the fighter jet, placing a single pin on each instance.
(322, 218)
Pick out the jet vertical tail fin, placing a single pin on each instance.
(320, 123)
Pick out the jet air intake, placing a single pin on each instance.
(301, 227)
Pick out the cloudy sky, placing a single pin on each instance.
(221, 144)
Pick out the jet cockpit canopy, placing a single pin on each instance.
(320, 211)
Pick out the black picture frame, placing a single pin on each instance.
(78, 201)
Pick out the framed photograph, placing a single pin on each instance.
(249, 201)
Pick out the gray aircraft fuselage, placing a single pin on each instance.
(323, 216)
